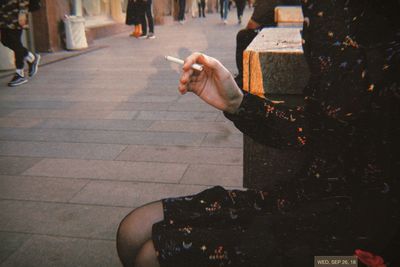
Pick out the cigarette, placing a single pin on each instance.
(195, 66)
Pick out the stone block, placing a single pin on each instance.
(273, 63)
(289, 16)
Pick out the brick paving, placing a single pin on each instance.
(93, 136)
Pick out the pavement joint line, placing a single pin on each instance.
(79, 191)
(64, 203)
(77, 143)
(62, 58)
(184, 173)
(63, 236)
(111, 180)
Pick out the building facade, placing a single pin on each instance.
(102, 17)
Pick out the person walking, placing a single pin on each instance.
(223, 10)
(13, 19)
(181, 12)
(133, 17)
(147, 18)
(202, 6)
(240, 5)
(343, 201)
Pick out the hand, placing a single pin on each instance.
(215, 84)
(22, 20)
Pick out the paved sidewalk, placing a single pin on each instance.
(91, 137)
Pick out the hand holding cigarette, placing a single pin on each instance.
(181, 62)
(213, 83)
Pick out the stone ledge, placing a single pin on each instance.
(104, 30)
(273, 63)
(288, 16)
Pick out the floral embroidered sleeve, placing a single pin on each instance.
(348, 81)
(270, 123)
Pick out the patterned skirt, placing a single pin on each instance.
(216, 227)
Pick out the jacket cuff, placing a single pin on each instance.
(250, 107)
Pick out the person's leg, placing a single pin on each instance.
(221, 8)
(240, 8)
(182, 5)
(203, 7)
(147, 256)
(226, 5)
(135, 231)
(142, 18)
(12, 39)
(149, 16)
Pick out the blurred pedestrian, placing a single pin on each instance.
(224, 9)
(132, 17)
(202, 5)
(146, 17)
(181, 14)
(240, 5)
(13, 19)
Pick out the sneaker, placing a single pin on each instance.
(17, 80)
(225, 21)
(151, 35)
(143, 36)
(33, 67)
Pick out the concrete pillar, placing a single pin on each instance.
(116, 11)
(77, 8)
(48, 25)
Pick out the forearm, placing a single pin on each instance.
(271, 124)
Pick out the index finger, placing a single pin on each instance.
(199, 58)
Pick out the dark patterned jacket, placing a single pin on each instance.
(9, 12)
(347, 193)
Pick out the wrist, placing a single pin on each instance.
(235, 103)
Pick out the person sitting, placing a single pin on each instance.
(344, 201)
(263, 16)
